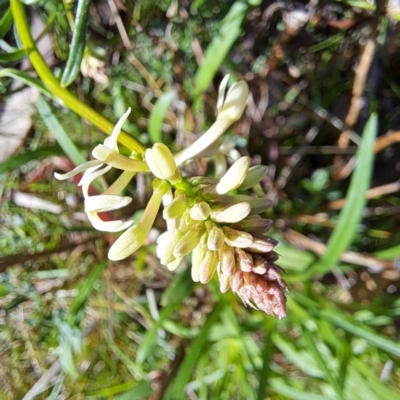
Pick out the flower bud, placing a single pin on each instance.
(230, 107)
(200, 211)
(215, 238)
(129, 242)
(234, 177)
(197, 255)
(256, 225)
(260, 265)
(258, 206)
(161, 162)
(231, 214)
(175, 209)
(208, 266)
(236, 238)
(261, 245)
(244, 259)
(187, 243)
(224, 283)
(172, 266)
(227, 260)
(254, 175)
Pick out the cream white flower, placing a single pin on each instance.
(161, 162)
(108, 153)
(234, 177)
(230, 108)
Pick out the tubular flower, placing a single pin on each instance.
(216, 220)
(230, 108)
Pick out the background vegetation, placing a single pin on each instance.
(75, 326)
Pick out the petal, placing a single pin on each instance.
(107, 226)
(235, 176)
(111, 142)
(221, 93)
(78, 169)
(103, 203)
(86, 181)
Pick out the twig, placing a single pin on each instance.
(6, 262)
(303, 242)
(386, 140)
(369, 194)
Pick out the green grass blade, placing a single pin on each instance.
(6, 22)
(85, 289)
(149, 340)
(158, 114)
(177, 389)
(25, 78)
(379, 387)
(77, 45)
(372, 338)
(21, 159)
(13, 56)
(351, 213)
(142, 391)
(56, 128)
(341, 320)
(219, 47)
(267, 358)
(322, 362)
(289, 391)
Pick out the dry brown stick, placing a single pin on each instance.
(358, 89)
(386, 140)
(369, 194)
(305, 243)
(9, 261)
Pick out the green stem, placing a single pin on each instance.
(53, 85)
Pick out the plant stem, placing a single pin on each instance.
(53, 85)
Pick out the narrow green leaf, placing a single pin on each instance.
(158, 114)
(303, 359)
(352, 211)
(265, 372)
(56, 128)
(219, 47)
(6, 23)
(379, 387)
(142, 391)
(67, 360)
(389, 254)
(85, 289)
(21, 159)
(372, 338)
(76, 51)
(289, 391)
(322, 362)
(57, 387)
(177, 389)
(25, 78)
(12, 56)
(341, 320)
(149, 340)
